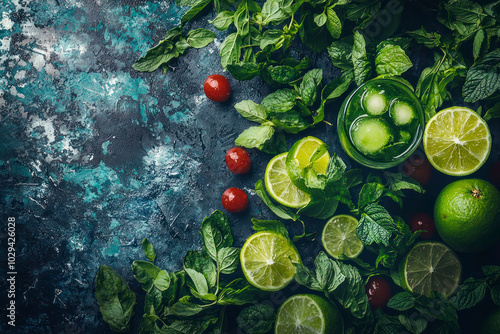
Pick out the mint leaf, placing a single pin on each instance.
(470, 293)
(201, 262)
(362, 67)
(149, 250)
(375, 225)
(333, 23)
(491, 271)
(495, 294)
(255, 137)
(483, 78)
(328, 273)
(270, 225)
(199, 281)
(392, 59)
(256, 319)
(493, 112)
(115, 299)
(228, 259)
(399, 181)
(280, 101)
(251, 111)
(351, 292)
(402, 301)
(216, 233)
(415, 324)
(370, 193)
(321, 206)
(429, 40)
(306, 277)
(340, 54)
(279, 210)
(308, 88)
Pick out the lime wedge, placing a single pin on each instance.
(308, 314)
(279, 185)
(339, 237)
(300, 156)
(457, 141)
(431, 266)
(266, 260)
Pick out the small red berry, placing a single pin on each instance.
(234, 200)
(418, 168)
(238, 161)
(217, 88)
(378, 291)
(421, 221)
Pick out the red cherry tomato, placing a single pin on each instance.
(238, 161)
(421, 221)
(495, 174)
(378, 291)
(217, 88)
(418, 168)
(234, 200)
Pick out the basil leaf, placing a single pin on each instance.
(483, 78)
(320, 206)
(216, 233)
(255, 136)
(251, 111)
(187, 326)
(153, 302)
(149, 250)
(276, 144)
(155, 57)
(115, 299)
(162, 281)
(478, 42)
(199, 38)
(276, 11)
(375, 225)
(402, 301)
(228, 259)
(316, 38)
(362, 67)
(271, 37)
(145, 273)
(308, 88)
(239, 292)
(392, 60)
(337, 87)
(333, 23)
(193, 11)
(470, 293)
(230, 50)
(223, 20)
(320, 19)
(256, 319)
(201, 262)
(270, 225)
(199, 281)
(279, 210)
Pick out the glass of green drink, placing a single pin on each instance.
(381, 123)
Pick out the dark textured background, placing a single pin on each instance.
(95, 156)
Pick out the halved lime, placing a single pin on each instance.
(266, 260)
(431, 266)
(308, 314)
(339, 237)
(300, 156)
(457, 141)
(279, 185)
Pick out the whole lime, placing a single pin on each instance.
(492, 323)
(467, 215)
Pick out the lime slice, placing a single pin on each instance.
(457, 141)
(266, 260)
(308, 314)
(431, 266)
(300, 156)
(279, 185)
(339, 237)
